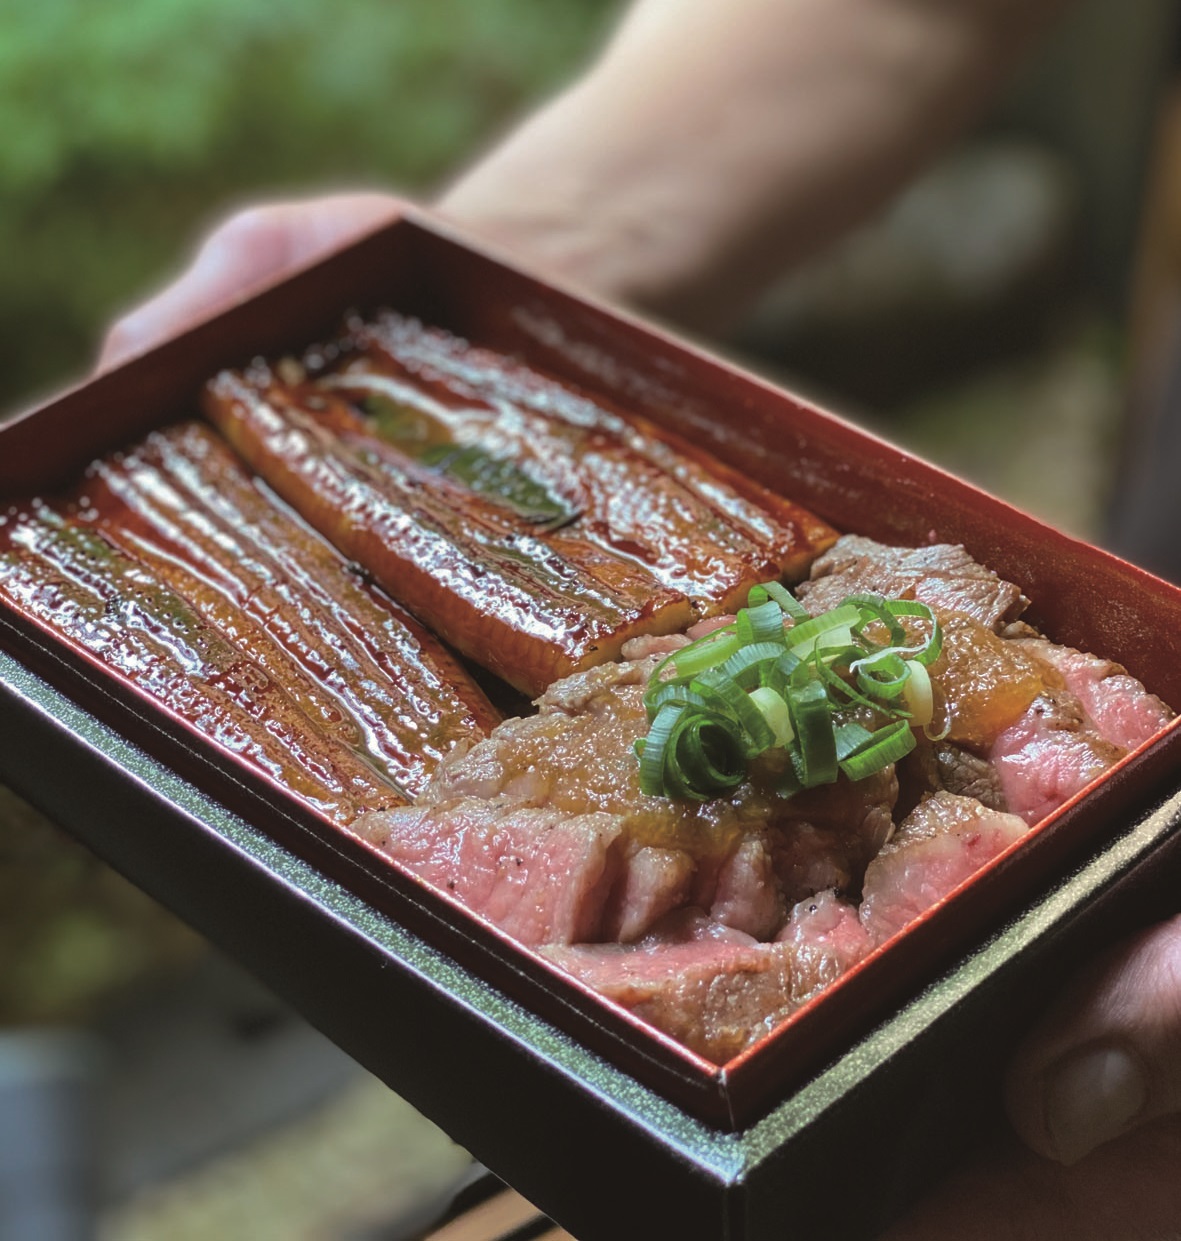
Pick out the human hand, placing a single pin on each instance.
(259, 243)
(1095, 1094)
(1106, 1057)
(242, 253)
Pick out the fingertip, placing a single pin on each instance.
(133, 334)
(248, 248)
(1079, 1101)
(1106, 1056)
(148, 325)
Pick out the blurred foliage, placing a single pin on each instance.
(130, 125)
(72, 933)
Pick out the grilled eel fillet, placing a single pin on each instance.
(533, 529)
(172, 567)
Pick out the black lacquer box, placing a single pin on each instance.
(572, 1100)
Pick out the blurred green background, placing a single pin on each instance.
(130, 125)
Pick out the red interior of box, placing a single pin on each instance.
(1081, 597)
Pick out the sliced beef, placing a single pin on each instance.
(541, 875)
(715, 996)
(575, 753)
(1026, 724)
(826, 939)
(825, 837)
(1053, 752)
(714, 921)
(1123, 712)
(653, 882)
(573, 758)
(945, 840)
(744, 892)
(715, 989)
(935, 766)
(719, 992)
(942, 575)
(690, 923)
(746, 858)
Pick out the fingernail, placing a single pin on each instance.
(1090, 1097)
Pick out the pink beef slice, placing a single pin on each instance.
(827, 939)
(945, 840)
(652, 883)
(1051, 753)
(574, 758)
(714, 995)
(690, 923)
(942, 575)
(743, 892)
(542, 876)
(1123, 712)
(1044, 720)
(715, 989)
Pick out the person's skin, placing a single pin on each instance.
(709, 147)
(712, 145)
(715, 144)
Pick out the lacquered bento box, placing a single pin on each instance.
(568, 1097)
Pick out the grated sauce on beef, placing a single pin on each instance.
(716, 920)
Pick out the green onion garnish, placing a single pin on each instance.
(842, 692)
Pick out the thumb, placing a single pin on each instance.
(1106, 1057)
(242, 253)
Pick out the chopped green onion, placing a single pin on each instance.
(850, 738)
(747, 666)
(778, 679)
(887, 746)
(713, 649)
(773, 709)
(791, 606)
(803, 637)
(919, 695)
(778, 675)
(884, 673)
(726, 697)
(812, 721)
(760, 624)
(697, 756)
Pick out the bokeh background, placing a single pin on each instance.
(1000, 318)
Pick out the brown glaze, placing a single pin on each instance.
(172, 567)
(696, 524)
(984, 683)
(1085, 597)
(97, 599)
(532, 529)
(181, 502)
(499, 595)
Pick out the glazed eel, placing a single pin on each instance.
(532, 528)
(179, 572)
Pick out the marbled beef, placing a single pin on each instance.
(945, 840)
(942, 575)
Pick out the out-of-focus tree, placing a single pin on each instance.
(128, 125)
